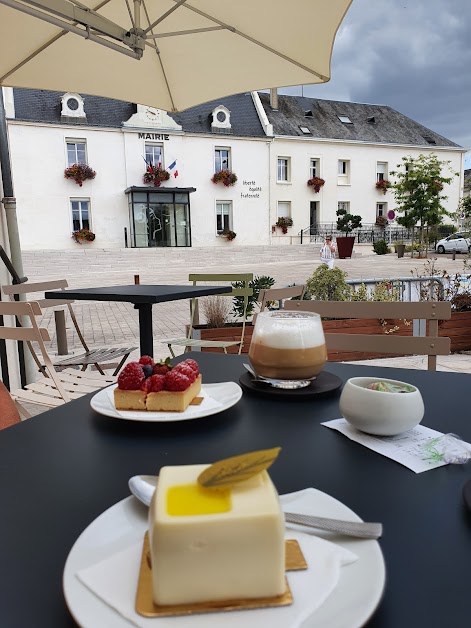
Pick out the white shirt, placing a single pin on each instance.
(326, 253)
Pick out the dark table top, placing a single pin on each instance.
(139, 293)
(61, 469)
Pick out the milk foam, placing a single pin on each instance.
(284, 334)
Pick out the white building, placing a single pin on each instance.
(273, 145)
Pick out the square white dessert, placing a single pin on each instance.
(212, 544)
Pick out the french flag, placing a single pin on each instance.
(172, 166)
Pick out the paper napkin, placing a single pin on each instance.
(114, 581)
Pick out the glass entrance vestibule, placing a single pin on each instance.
(159, 216)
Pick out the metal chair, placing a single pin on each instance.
(430, 311)
(189, 342)
(54, 389)
(97, 357)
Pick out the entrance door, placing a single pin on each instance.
(159, 225)
(313, 214)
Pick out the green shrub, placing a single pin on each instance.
(258, 283)
(328, 284)
(380, 247)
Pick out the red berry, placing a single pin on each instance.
(186, 370)
(176, 381)
(146, 359)
(192, 364)
(157, 383)
(131, 377)
(160, 369)
(146, 385)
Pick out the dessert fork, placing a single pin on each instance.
(143, 486)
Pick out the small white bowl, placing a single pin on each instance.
(380, 413)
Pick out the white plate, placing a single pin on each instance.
(350, 605)
(225, 394)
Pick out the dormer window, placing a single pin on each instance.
(345, 119)
(72, 108)
(308, 114)
(221, 120)
(370, 119)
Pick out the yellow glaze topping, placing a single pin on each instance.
(185, 500)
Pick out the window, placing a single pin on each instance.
(283, 174)
(381, 171)
(283, 209)
(344, 205)
(305, 130)
(314, 168)
(343, 172)
(223, 216)
(381, 210)
(345, 119)
(76, 152)
(154, 154)
(80, 213)
(222, 159)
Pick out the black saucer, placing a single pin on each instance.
(325, 383)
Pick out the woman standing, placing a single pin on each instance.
(328, 252)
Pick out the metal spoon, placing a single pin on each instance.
(143, 487)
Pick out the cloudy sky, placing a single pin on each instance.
(413, 55)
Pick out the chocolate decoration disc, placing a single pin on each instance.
(325, 383)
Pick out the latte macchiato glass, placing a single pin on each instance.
(288, 348)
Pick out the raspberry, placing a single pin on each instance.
(146, 385)
(192, 364)
(186, 370)
(156, 383)
(176, 381)
(131, 377)
(146, 359)
(160, 369)
(148, 370)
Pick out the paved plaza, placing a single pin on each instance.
(112, 324)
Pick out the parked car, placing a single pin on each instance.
(454, 242)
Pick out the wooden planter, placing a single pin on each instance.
(345, 246)
(230, 331)
(458, 329)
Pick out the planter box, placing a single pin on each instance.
(458, 329)
(230, 331)
(345, 246)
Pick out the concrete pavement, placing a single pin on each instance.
(111, 324)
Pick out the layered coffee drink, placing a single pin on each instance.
(288, 346)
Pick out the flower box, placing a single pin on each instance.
(155, 175)
(316, 183)
(79, 173)
(225, 176)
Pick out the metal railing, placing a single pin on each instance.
(408, 288)
(367, 234)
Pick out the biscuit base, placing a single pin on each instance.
(146, 607)
(129, 399)
(169, 401)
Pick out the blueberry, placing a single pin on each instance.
(147, 368)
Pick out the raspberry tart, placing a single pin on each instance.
(145, 385)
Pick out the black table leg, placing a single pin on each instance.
(146, 338)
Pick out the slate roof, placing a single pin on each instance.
(389, 126)
(39, 105)
(385, 126)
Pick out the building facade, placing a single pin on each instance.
(273, 144)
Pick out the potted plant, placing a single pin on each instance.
(346, 223)
(83, 235)
(383, 185)
(155, 175)
(284, 222)
(400, 248)
(316, 183)
(79, 173)
(227, 177)
(229, 234)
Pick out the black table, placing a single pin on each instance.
(143, 297)
(61, 469)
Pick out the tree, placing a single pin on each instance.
(347, 222)
(418, 191)
(463, 215)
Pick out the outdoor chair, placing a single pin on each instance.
(54, 389)
(98, 357)
(189, 342)
(280, 295)
(427, 344)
